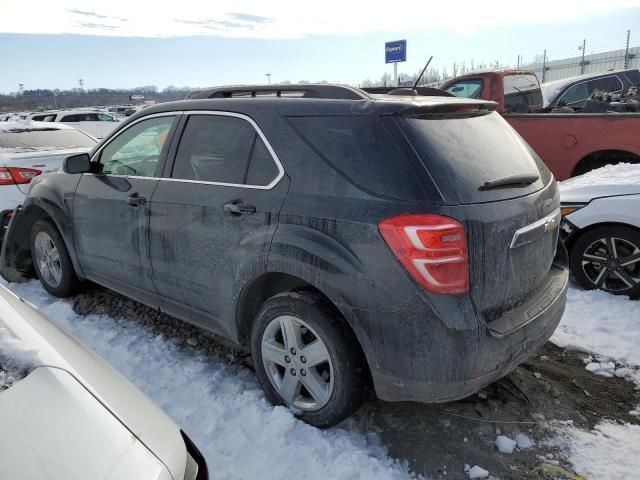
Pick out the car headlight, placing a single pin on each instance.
(568, 209)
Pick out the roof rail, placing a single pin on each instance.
(326, 91)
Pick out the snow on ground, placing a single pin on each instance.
(15, 358)
(222, 409)
(608, 327)
(609, 452)
(619, 174)
(602, 324)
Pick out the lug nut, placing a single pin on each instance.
(287, 359)
(303, 373)
(293, 372)
(293, 351)
(303, 359)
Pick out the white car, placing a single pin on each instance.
(601, 228)
(96, 123)
(73, 417)
(28, 149)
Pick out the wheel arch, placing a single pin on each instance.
(269, 284)
(601, 158)
(571, 240)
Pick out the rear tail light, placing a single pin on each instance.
(17, 175)
(432, 248)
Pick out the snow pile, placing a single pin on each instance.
(505, 444)
(523, 441)
(221, 406)
(610, 451)
(476, 472)
(619, 174)
(600, 323)
(15, 358)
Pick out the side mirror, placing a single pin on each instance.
(80, 163)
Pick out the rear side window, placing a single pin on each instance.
(223, 149)
(363, 149)
(521, 92)
(466, 152)
(606, 84)
(634, 77)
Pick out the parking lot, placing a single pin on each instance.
(576, 419)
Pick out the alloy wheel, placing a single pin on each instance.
(48, 259)
(297, 363)
(612, 264)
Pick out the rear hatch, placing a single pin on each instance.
(491, 181)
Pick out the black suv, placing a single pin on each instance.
(402, 246)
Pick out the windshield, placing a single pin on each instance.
(44, 139)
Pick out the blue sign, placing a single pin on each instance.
(395, 51)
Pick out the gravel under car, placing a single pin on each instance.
(398, 246)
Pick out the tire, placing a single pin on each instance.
(608, 258)
(340, 383)
(51, 260)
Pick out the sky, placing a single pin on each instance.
(124, 44)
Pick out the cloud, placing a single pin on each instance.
(281, 19)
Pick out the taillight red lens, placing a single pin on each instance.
(433, 248)
(17, 175)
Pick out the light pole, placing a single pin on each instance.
(268, 75)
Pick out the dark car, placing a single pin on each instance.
(574, 91)
(400, 246)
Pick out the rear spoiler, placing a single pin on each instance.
(442, 108)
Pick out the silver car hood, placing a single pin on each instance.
(70, 373)
(586, 193)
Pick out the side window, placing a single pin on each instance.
(70, 118)
(606, 84)
(102, 117)
(576, 94)
(214, 148)
(136, 151)
(262, 169)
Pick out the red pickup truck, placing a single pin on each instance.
(569, 143)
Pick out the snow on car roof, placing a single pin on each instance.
(619, 174)
(29, 125)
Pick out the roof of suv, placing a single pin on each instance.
(331, 100)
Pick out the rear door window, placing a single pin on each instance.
(606, 84)
(223, 149)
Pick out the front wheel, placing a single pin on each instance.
(51, 259)
(306, 358)
(608, 258)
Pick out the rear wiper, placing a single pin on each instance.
(521, 180)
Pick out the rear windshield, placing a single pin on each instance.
(49, 139)
(461, 154)
(362, 149)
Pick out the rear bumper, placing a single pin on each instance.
(433, 355)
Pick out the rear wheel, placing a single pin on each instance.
(51, 259)
(305, 358)
(608, 258)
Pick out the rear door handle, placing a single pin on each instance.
(135, 199)
(237, 208)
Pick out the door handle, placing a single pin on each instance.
(135, 199)
(237, 208)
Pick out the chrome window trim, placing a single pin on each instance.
(587, 81)
(274, 156)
